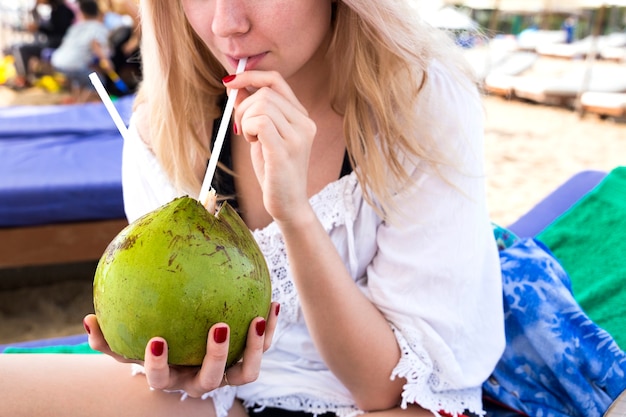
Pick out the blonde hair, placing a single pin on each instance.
(381, 52)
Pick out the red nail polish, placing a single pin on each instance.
(235, 129)
(229, 78)
(446, 414)
(277, 310)
(87, 329)
(157, 347)
(220, 334)
(260, 327)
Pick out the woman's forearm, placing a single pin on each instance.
(353, 337)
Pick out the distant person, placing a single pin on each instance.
(569, 26)
(122, 19)
(48, 32)
(84, 49)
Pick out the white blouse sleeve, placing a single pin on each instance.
(436, 272)
(145, 186)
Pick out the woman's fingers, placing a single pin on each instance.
(97, 341)
(265, 98)
(247, 370)
(155, 364)
(259, 339)
(196, 381)
(249, 82)
(214, 373)
(272, 321)
(268, 112)
(211, 374)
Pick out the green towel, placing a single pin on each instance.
(590, 242)
(79, 349)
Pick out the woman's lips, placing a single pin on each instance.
(253, 61)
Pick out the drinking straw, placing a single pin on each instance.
(108, 103)
(219, 140)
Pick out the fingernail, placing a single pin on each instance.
(277, 310)
(157, 347)
(260, 327)
(87, 329)
(235, 129)
(229, 78)
(220, 334)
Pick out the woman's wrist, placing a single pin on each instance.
(301, 220)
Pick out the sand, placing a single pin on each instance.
(530, 150)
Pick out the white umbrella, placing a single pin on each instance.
(600, 3)
(450, 19)
(503, 5)
(535, 5)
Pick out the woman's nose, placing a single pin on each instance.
(230, 18)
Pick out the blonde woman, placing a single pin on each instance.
(355, 157)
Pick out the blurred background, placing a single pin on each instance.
(552, 73)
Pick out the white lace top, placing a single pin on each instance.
(434, 274)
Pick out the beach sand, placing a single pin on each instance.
(530, 149)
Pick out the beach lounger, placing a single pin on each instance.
(556, 203)
(530, 40)
(501, 79)
(499, 85)
(489, 61)
(552, 92)
(589, 240)
(54, 344)
(564, 90)
(583, 225)
(574, 50)
(581, 48)
(583, 222)
(614, 47)
(60, 183)
(482, 60)
(613, 53)
(604, 104)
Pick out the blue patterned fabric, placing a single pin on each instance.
(504, 237)
(557, 362)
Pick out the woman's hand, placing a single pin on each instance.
(281, 133)
(198, 380)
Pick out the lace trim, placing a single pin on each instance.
(335, 201)
(223, 398)
(425, 386)
(331, 205)
(306, 404)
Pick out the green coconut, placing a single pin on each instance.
(174, 273)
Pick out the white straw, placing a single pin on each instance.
(219, 140)
(108, 103)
